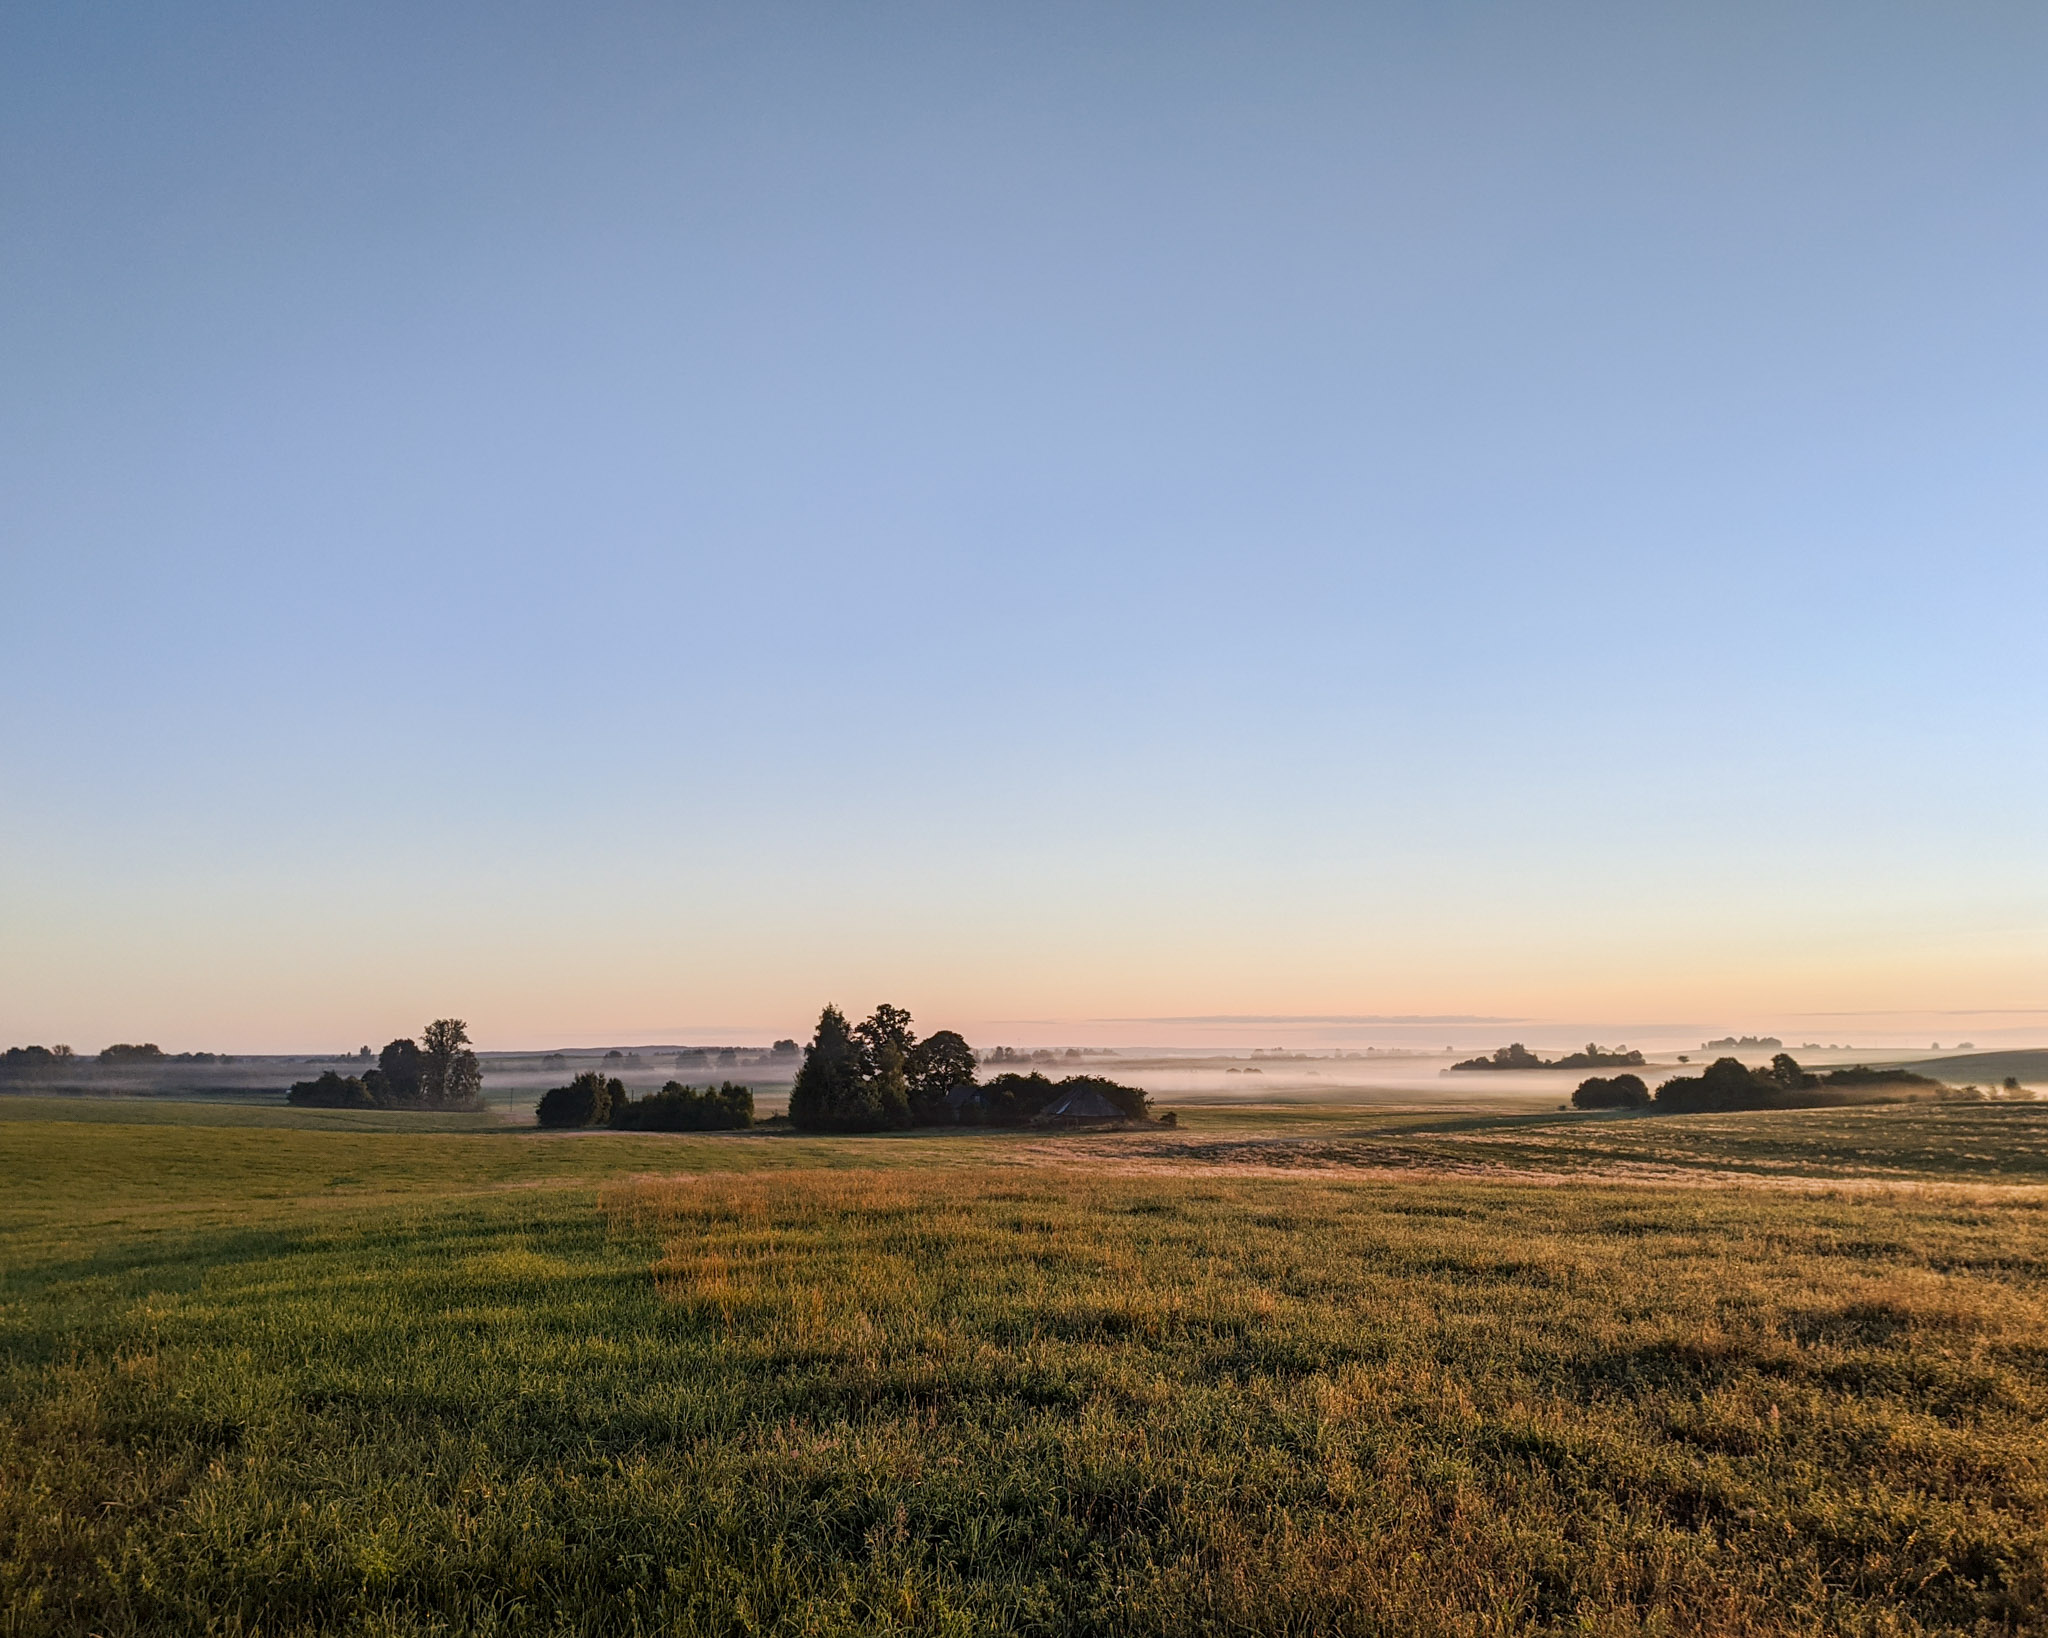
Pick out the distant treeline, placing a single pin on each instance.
(1517, 1056)
(438, 1071)
(24, 1063)
(592, 1099)
(690, 1057)
(1729, 1084)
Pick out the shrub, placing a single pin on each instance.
(1621, 1092)
(585, 1101)
(679, 1108)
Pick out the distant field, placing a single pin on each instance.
(2029, 1066)
(1290, 1370)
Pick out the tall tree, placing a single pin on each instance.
(886, 1026)
(827, 1084)
(852, 1079)
(397, 1075)
(450, 1076)
(885, 1100)
(937, 1064)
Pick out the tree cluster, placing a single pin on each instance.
(438, 1071)
(26, 1063)
(680, 1108)
(877, 1075)
(593, 1100)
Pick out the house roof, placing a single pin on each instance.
(1086, 1104)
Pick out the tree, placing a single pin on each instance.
(827, 1081)
(680, 1108)
(887, 1091)
(1786, 1072)
(886, 1026)
(1622, 1092)
(398, 1066)
(450, 1076)
(936, 1065)
(1726, 1083)
(852, 1080)
(588, 1100)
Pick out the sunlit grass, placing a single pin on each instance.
(301, 1379)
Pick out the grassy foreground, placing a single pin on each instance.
(1358, 1373)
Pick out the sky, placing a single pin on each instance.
(634, 521)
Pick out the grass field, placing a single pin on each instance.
(1285, 1371)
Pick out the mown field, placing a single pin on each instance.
(1281, 1372)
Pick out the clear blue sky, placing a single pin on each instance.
(603, 519)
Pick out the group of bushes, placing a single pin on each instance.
(439, 1071)
(592, 1100)
(1729, 1083)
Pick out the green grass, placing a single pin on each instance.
(1283, 1372)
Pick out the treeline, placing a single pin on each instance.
(1517, 1056)
(27, 1063)
(591, 1099)
(878, 1076)
(438, 1071)
(1730, 1084)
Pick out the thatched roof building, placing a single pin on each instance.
(1086, 1107)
